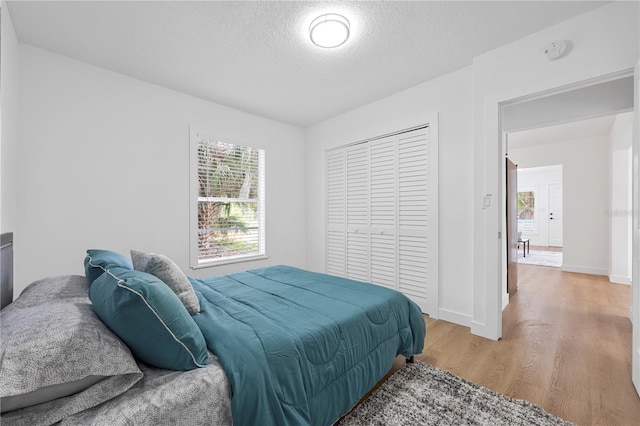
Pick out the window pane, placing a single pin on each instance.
(227, 229)
(226, 170)
(526, 211)
(230, 200)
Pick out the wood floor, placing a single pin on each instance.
(566, 347)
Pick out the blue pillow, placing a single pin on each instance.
(97, 261)
(148, 316)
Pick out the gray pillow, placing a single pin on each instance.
(61, 289)
(57, 354)
(168, 272)
(48, 393)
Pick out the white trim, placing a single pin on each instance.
(230, 260)
(585, 270)
(393, 133)
(620, 279)
(635, 252)
(624, 71)
(505, 300)
(481, 329)
(454, 317)
(194, 261)
(193, 197)
(436, 259)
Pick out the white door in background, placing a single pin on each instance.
(555, 214)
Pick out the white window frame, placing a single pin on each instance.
(195, 262)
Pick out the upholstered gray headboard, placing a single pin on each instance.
(6, 269)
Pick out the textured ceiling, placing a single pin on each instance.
(257, 57)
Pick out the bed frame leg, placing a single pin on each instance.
(410, 360)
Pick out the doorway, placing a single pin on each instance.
(555, 129)
(539, 202)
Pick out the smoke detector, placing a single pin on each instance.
(555, 49)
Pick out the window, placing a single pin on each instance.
(227, 187)
(526, 211)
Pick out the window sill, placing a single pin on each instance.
(213, 263)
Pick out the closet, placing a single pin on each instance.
(382, 213)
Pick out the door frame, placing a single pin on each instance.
(511, 233)
(635, 257)
(490, 247)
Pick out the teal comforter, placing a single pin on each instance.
(300, 347)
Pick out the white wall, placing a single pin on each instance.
(91, 136)
(585, 167)
(537, 179)
(450, 97)
(604, 41)
(9, 89)
(105, 164)
(620, 203)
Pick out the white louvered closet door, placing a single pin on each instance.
(336, 213)
(382, 164)
(382, 214)
(414, 206)
(357, 198)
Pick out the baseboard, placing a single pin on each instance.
(619, 279)
(585, 270)
(480, 329)
(454, 317)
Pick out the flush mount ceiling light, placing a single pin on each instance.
(330, 30)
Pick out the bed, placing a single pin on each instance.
(276, 345)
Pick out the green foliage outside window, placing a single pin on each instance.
(526, 205)
(228, 200)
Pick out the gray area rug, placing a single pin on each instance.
(542, 258)
(420, 394)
